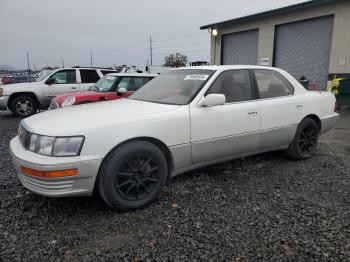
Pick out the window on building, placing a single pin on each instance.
(272, 84)
(234, 84)
(89, 76)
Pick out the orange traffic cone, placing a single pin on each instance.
(313, 85)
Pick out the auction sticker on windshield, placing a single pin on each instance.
(197, 77)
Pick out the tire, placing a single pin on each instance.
(23, 106)
(133, 175)
(305, 141)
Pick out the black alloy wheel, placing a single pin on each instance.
(305, 140)
(137, 177)
(132, 175)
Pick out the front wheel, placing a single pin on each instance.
(133, 175)
(305, 141)
(23, 106)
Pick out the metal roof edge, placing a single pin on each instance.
(281, 10)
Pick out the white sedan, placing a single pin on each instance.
(186, 118)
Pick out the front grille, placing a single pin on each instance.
(53, 105)
(24, 136)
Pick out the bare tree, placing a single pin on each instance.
(175, 60)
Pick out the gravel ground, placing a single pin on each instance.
(262, 208)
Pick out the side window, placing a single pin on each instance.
(64, 77)
(132, 83)
(272, 84)
(235, 85)
(89, 76)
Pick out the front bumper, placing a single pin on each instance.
(81, 184)
(3, 102)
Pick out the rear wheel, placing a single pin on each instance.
(23, 106)
(305, 141)
(133, 175)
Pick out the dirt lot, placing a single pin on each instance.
(263, 208)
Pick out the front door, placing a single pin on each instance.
(228, 130)
(63, 81)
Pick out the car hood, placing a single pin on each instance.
(59, 99)
(11, 88)
(75, 120)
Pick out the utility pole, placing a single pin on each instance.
(62, 62)
(91, 58)
(30, 78)
(151, 49)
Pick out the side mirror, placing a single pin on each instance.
(213, 100)
(50, 81)
(121, 91)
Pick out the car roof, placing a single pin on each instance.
(133, 74)
(227, 67)
(92, 68)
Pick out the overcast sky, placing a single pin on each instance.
(115, 31)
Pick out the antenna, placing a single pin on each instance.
(91, 59)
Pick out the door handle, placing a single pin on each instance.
(252, 113)
(299, 106)
(74, 87)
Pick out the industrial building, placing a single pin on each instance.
(310, 39)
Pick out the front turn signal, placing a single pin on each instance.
(49, 174)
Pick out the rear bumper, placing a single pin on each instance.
(3, 102)
(328, 123)
(81, 184)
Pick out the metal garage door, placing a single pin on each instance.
(240, 48)
(303, 49)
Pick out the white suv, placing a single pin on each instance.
(24, 99)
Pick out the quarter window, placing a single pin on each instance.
(272, 84)
(132, 83)
(64, 77)
(235, 85)
(89, 76)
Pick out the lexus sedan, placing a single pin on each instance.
(186, 118)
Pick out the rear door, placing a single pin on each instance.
(280, 109)
(64, 81)
(87, 78)
(227, 130)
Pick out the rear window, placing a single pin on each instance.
(88, 76)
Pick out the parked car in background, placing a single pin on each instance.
(24, 99)
(183, 119)
(110, 87)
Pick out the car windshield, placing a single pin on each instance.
(177, 87)
(43, 75)
(104, 84)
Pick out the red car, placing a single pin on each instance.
(110, 87)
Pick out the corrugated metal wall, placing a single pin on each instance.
(340, 51)
(240, 48)
(303, 49)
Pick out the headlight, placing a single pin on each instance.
(68, 101)
(1, 91)
(56, 146)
